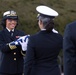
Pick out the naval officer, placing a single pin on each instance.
(43, 47)
(11, 58)
(69, 49)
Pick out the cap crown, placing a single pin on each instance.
(10, 13)
(46, 11)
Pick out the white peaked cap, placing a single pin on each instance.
(46, 11)
(10, 13)
(5, 13)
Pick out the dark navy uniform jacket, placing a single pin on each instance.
(11, 61)
(42, 52)
(69, 49)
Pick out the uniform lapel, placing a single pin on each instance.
(15, 34)
(8, 36)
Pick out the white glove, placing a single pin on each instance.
(12, 45)
(55, 31)
(23, 42)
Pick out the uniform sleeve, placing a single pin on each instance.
(69, 52)
(3, 46)
(6, 47)
(29, 59)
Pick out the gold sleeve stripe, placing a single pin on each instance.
(23, 53)
(12, 47)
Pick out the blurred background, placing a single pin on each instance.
(28, 15)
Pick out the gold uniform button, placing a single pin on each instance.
(14, 58)
(14, 53)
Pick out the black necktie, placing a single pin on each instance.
(11, 33)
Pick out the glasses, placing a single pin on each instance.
(10, 20)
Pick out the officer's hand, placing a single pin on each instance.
(24, 41)
(54, 31)
(13, 45)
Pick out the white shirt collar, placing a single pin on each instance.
(43, 29)
(9, 29)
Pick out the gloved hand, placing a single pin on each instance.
(55, 31)
(13, 45)
(23, 42)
